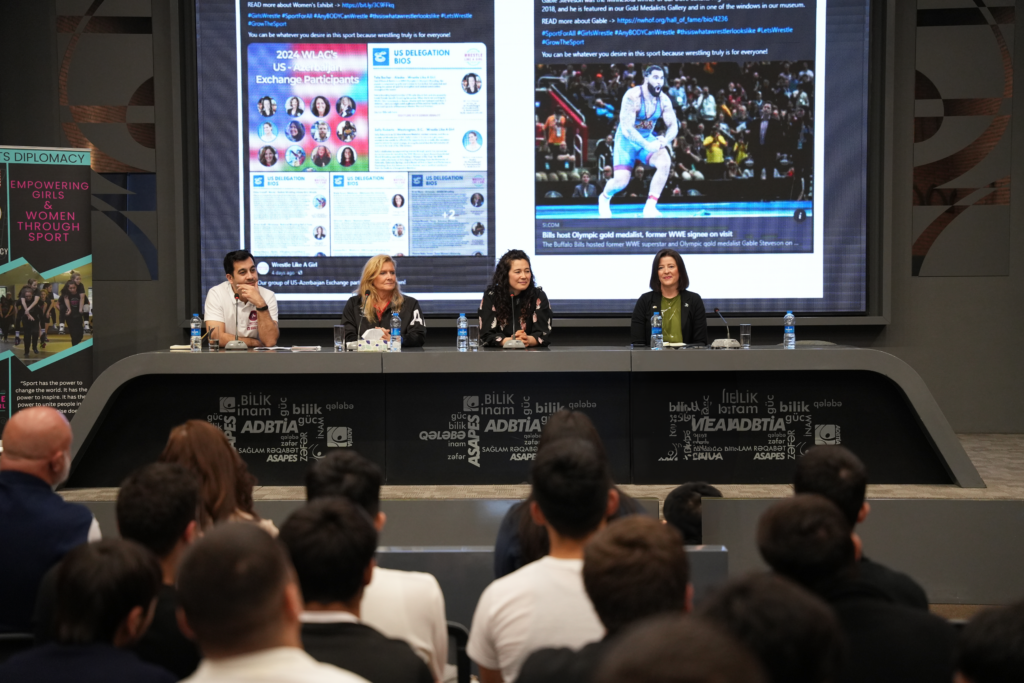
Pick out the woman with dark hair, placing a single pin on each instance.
(521, 541)
(682, 311)
(226, 483)
(347, 157)
(320, 107)
(294, 106)
(514, 307)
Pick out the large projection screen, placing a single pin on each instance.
(445, 132)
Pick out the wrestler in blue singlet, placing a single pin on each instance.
(627, 152)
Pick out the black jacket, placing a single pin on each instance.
(888, 643)
(414, 329)
(695, 325)
(365, 652)
(538, 319)
(900, 588)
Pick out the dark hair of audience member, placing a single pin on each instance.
(155, 505)
(343, 473)
(683, 509)
(570, 484)
(791, 631)
(806, 538)
(331, 542)
(991, 647)
(678, 649)
(225, 481)
(564, 424)
(231, 587)
(633, 569)
(99, 584)
(837, 474)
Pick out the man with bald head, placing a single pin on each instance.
(38, 526)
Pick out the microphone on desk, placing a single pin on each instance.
(728, 342)
(235, 344)
(362, 312)
(515, 343)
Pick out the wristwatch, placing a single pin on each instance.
(262, 309)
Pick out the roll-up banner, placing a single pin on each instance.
(46, 297)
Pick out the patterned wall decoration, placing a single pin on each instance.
(105, 84)
(962, 155)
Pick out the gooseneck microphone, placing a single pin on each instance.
(728, 342)
(235, 344)
(515, 343)
(362, 313)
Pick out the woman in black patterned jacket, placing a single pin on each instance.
(514, 307)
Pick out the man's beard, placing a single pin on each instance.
(654, 91)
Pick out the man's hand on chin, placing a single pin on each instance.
(250, 293)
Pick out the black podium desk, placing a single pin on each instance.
(437, 416)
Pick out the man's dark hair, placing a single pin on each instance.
(331, 542)
(571, 424)
(634, 569)
(231, 585)
(570, 484)
(234, 257)
(155, 505)
(991, 647)
(343, 473)
(683, 509)
(806, 538)
(792, 632)
(652, 68)
(98, 585)
(678, 649)
(837, 474)
(684, 279)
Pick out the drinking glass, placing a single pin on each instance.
(745, 335)
(474, 337)
(339, 338)
(213, 338)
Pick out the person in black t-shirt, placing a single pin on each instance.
(31, 316)
(332, 543)
(72, 305)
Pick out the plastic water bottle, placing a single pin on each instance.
(463, 340)
(396, 333)
(789, 332)
(196, 341)
(657, 343)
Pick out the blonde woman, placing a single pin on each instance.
(377, 298)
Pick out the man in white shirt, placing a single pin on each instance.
(408, 606)
(239, 600)
(240, 308)
(545, 604)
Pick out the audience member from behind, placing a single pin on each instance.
(408, 606)
(840, 476)
(38, 528)
(991, 648)
(634, 569)
(105, 596)
(520, 541)
(239, 600)
(158, 508)
(544, 604)
(332, 543)
(679, 650)
(225, 481)
(808, 539)
(792, 632)
(683, 509)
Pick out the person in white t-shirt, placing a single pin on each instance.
(405, 605)
(544, 604)
(239, 600)
(240, 306)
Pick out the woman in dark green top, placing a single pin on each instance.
(682, 311)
